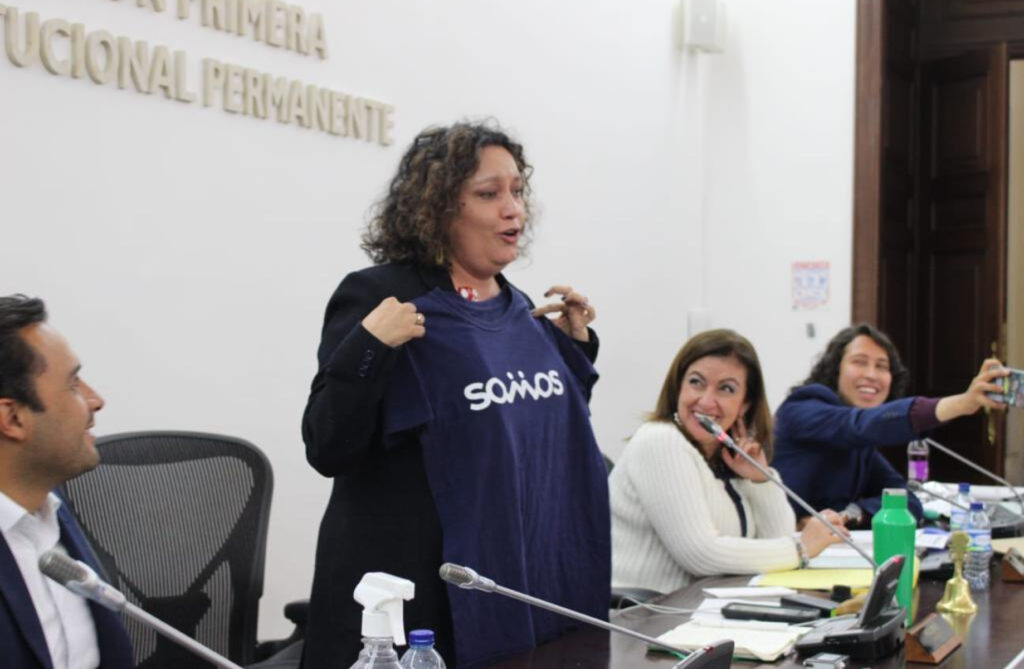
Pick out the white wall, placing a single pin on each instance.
(779, 166)
(188, 254)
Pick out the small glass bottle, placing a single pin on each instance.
(917, 460)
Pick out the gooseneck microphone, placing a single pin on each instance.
(718, 433)
(992, 475)
(714, 656)
(80, 579)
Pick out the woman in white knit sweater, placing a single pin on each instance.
(683, 507)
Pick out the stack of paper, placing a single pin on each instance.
(841, 556)
(749, 591)
(766, 645)
(980, 493)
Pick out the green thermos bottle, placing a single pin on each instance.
(892, 530)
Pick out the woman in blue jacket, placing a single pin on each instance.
(828, 430)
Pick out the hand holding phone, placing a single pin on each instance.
(1012, 394)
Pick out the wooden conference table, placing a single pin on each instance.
(992, 637)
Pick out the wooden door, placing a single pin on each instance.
(961, 239)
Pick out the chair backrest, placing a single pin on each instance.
(179, 522)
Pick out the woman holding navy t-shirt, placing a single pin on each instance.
(453, 416)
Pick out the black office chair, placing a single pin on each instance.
(179, 522)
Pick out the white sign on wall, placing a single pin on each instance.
(811, 285)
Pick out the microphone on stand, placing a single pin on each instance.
(80, 579)
(992, 475)
(717, 655)
(718, 433)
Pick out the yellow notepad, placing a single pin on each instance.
(816, 579)
(823, 579)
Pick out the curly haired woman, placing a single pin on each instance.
(828, 430)
(453, 418)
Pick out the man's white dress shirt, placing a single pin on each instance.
(65, 617)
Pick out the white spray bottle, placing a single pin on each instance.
(381, 596)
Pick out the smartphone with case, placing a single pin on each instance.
(1013, 389)
(776, 614)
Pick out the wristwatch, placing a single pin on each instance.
(801, 552)
(852, 514)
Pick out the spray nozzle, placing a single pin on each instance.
(381, 596)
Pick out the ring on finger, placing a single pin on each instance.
(420, 319)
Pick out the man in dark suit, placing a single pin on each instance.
(46, 411)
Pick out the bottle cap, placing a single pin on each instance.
(965, 488)
(421, 638)
(382, 596)
(977, 506)
(894, 498)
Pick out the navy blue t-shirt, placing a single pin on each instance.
(500, 402)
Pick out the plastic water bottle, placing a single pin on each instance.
(892, 532)
(979, 553)
(382, 596)
(917, 460)
(421, 653)
(377, 653)
(958, 516)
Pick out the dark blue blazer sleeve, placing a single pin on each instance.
(815, 413)
(341, 419)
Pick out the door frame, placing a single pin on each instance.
(867, 159)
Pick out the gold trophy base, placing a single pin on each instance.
(957, 598)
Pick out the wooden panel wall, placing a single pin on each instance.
(901, 109)
(951, 27)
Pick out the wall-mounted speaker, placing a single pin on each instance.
(700, 25)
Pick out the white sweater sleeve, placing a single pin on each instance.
(672, 481)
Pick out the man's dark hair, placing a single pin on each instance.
(826, 370)
(19, 362)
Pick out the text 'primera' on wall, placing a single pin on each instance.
(68, 49)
